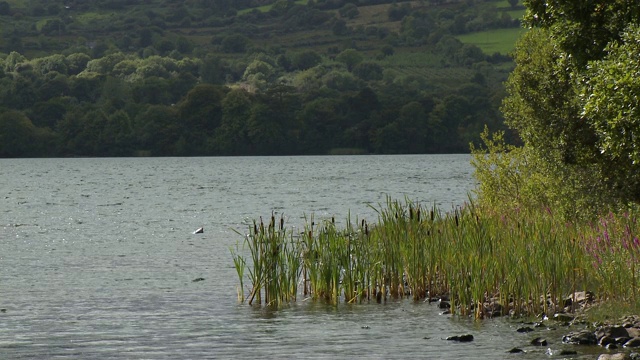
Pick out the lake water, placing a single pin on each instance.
(97, 260)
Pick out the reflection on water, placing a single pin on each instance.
(98, 259)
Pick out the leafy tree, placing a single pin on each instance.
(17, 134)
(5, 8)
(152, 90)
(233, 137)
(321, 125)
(12, 60)
(79, 131)
(396, 13)
(235, 43)
(579, 149)
(582, 28)
(350, 57)
(117, 136)
(57, 63)
(339, 27)
(212, 70)
(349, 11)
(611, 95)
(76, 63)
(53, 26)
(158, 130)
(369, 71)
(200, 114)
(306, 60)
(49, 113)
(264, 131)
(387, 50)
(341, 81)
(53, 85)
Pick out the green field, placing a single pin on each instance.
(266, 8)
(501, 40)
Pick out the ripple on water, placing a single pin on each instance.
(100, 259)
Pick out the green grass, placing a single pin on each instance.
(501, 40)
(92, 17)
(266, 8)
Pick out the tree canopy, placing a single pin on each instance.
(574, 100)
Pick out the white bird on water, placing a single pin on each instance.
(199, 231)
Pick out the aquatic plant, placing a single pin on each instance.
(487, 262)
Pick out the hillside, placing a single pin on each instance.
(429, 60)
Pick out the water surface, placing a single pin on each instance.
(98, 259)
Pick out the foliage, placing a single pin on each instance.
(223, 78)
(572, 101)
(490, 263)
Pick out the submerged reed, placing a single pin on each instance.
(488, 263)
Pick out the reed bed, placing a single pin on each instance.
(487, 263)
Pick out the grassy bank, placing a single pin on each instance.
(494, 41)
(516, 263)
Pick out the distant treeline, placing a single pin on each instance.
(157, 94)
(121, 105)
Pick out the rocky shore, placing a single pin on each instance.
(618, 339)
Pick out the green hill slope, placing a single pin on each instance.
(430, 77)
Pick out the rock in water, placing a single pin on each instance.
(524, 329)
(461, 338)
(539, 342)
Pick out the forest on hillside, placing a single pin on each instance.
(203, 77)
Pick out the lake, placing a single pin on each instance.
(98, 259)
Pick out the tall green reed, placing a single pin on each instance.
(521, 262)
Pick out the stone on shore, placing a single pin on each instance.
(619, 356)
(632, 343)
(582, 337)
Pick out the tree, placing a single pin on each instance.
(235, 43)
(582, 28)
(17, 134)
(200, 114)
(611, 94)
(572, 102)
(5, 8)
(233, 137)
(350, 57)
(306, 60)
(158, 130)
(368, 71)
(349, 11)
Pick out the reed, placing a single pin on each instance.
(521, 262)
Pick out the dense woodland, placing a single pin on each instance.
(258, 77)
